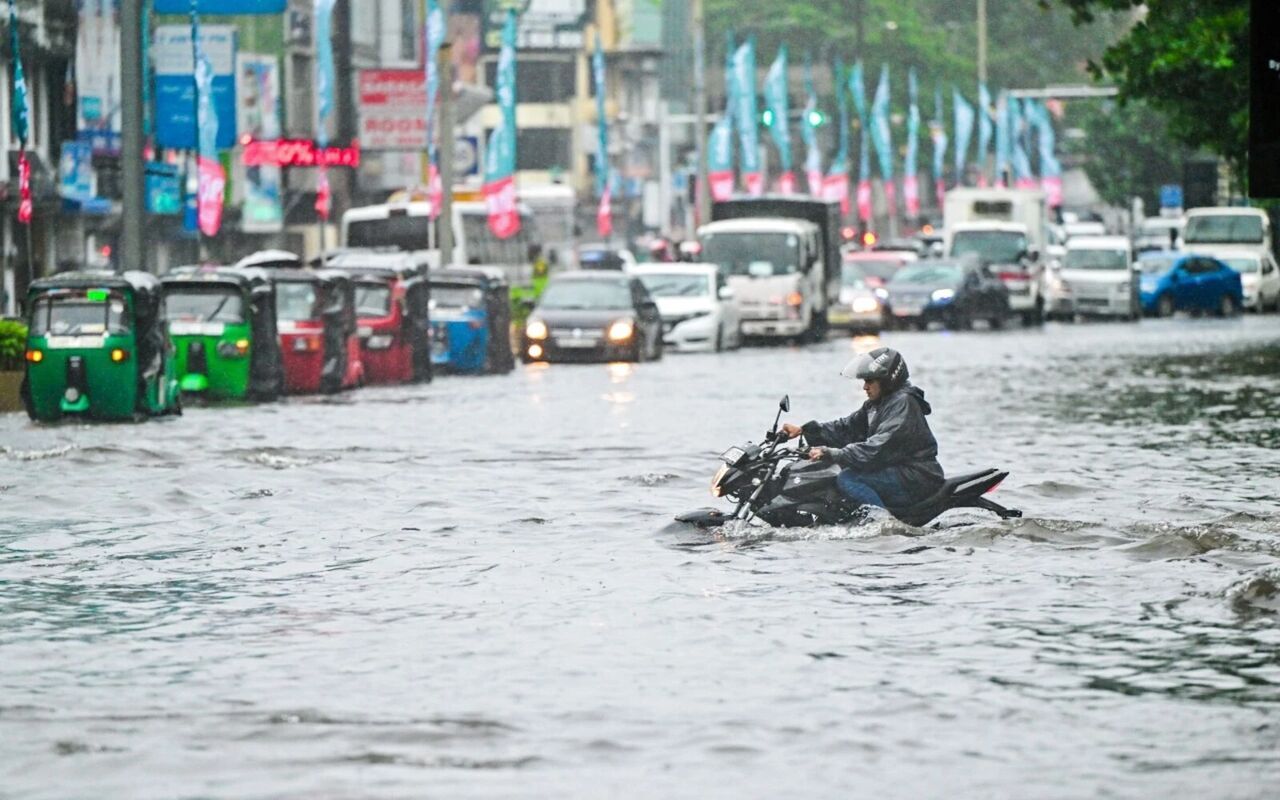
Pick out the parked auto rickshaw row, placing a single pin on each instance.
(121, 346)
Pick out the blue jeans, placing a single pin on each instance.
(882, 488)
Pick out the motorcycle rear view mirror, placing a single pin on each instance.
(785, 405)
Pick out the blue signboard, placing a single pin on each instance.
(176, 85)
(164, 188)
(222, 6)
(1171, 196)
(75, 168)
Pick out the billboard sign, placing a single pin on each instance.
(98, 74)
(541, 24)
(393, 105)
(176, 86)
(258, 109)
(221, 6)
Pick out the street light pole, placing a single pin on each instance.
(982, 41)
(702, 191)
(444, 222)
(132, 167)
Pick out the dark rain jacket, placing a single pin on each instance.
(888, 434)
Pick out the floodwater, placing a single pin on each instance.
(474, 588)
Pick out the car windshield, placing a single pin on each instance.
(586, 295)
(295, 301)
(1241, 265)
(373, 300)
(759, 255)
(1224, 229)
(928, 274)
(1156, 266)
(852, 276)
(1096, 259)
(92, 313)
(403, 232)
(203, 305)
(882, 268)
(677, 285)
(458, 297)
(993, 247)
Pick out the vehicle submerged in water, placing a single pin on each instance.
(98, 348)
(783, 489)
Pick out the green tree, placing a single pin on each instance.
(1187, 59)
(1129, 151)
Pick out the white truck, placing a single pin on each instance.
(1005, 229)
(781, 257)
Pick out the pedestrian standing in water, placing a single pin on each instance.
(888, 453)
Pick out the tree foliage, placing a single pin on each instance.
(1187, 59)
(1130, 152)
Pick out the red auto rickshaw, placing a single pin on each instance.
(315, 315)
(392, 300)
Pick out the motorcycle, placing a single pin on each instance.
(778, 485)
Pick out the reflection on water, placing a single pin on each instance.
(478, 586)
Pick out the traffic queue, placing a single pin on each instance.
(108, 346)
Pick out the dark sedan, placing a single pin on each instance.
(593, 316)
(954, 293)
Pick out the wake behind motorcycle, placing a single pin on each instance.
(777, 484)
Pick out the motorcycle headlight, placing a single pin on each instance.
(716, 489)
(621, 330)
(943, 294)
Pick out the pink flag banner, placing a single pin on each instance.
(212, 184)
(864, 200)
(911, 195)
(836, 187)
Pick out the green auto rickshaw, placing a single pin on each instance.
(223, 326)
(98, 348)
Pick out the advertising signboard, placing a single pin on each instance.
(176, 86)
(258, 109)
(222, 6)
(392, 105)
(98, 74)
(542, 24)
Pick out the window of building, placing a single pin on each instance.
(538, 81)
(408, 30)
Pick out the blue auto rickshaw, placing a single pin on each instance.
(471, 320)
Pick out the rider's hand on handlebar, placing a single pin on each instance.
(816, 453)
(789, 431)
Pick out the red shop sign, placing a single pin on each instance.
(298, 153)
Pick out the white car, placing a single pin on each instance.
(1158, 233)
(1097, 278)
(699, 312)
(1259, 276)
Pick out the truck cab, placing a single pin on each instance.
(1005, 229)
(781, 256)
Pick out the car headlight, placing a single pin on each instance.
(621, 330)
(881, 292)
(865, 305)
(536, 329)
(942, 294)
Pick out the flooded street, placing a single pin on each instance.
(474, 587)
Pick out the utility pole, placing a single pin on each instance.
(982, 41)
(133, 253)
(702, 191)
(444, 65)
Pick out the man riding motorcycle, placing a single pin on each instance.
(889, 455)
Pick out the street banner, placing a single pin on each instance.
(1021, 158)
(857, 87)
(19, 110)
(882, 138)
(775, 94)
(938, 133)
(500, 156)
(808, 130)
(910, 167)
(434, 36)
(175, 117)
(326, 78)
(1050, 167)
(744, 77)
(25, 205)
(258, 118)
(211, 178)
(836, 184)
(985, 110)
(1004, 143)
(97, 73)
(964, 118)
(220, 6)
(720, 159)
(604, 214)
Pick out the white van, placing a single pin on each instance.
(1207, 228)
(1097, 278)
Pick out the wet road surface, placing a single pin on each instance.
(473, 588)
